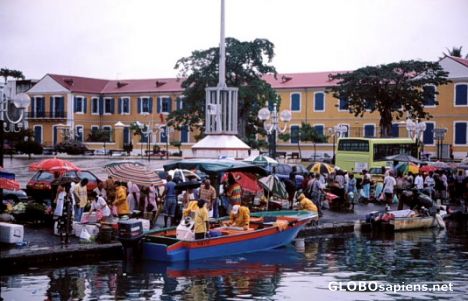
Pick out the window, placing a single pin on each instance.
(57, 105)
(461, 133)
(429, 96)
(184, 134)
(296, 102)
(163, 135)
(79, 133)
(126, 135)
(180, 103)
(107, 132)
(353, 145)
(384, 150)
(38, 134)
(343, 105)
(369, 130)
(428, 135)
(109, 105)
(144, 138)
(95, 105)
(395, 130)
(124, 105)
(295, 133)
(79, 104)
(319, 102)
(145, 105)
(55, 135)
(38, 106)
(164, 104)
(461, 95)
(319, 128)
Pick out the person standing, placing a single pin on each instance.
(81, 198)
(99, 205)
(201, 220)
(419, 181)
(351, 191)
(63, 212)
(170, 201)
(234, 191)
(366, 183)
(152, 207)
(109, 186)
(120, 200)
(208, 194)
(388, 188)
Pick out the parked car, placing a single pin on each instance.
(15, 195)
(283, 171)
(39, 186)
(180, 175)
(325, 158)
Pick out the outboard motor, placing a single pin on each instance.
(131, 237)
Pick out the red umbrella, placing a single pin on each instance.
(54, 164)
(428, 168)
(248, 181)
(9, 184)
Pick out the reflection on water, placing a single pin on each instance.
(411, 257)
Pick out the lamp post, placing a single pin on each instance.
(273, 127)
(415, 131)
(20, 101)
(337, 130)
(439, 135)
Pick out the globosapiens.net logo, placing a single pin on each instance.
(376, 286)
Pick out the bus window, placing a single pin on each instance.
(353, 145)
(384, 150)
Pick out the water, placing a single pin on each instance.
(428, 257)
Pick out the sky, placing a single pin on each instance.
(123, 39)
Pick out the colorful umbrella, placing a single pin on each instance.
(406, 167)
(247, 180)
(136, 173)
(321, 168)
(403, 158)
(274, 186)
(428, 168)
(53, 164)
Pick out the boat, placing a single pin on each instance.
(268, 230)
(401, 220)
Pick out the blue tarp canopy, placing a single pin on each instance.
(214, 167)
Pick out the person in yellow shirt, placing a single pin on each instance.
(120, 200)
(239, 217)
(201, 226)
(306, 204)
(192, 207)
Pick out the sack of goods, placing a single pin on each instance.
(184, 229)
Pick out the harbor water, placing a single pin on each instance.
(323, 268)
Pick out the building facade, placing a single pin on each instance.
(99, 112)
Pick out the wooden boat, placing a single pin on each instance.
(268, 230)
(403, 223)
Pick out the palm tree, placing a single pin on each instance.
(456, 52)
(5, 73)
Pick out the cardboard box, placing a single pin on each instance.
(11, 233)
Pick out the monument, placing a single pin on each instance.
(221, 115)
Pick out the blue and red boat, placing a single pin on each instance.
(267, 230)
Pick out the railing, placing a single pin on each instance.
(46, 115)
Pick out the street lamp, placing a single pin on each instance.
(415, 131)
(273, 127)
(337, 131)
(20, 101)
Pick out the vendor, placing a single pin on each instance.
(306, 204)
(201, 220)
(120, 201)
(99, 204)
(239, 217)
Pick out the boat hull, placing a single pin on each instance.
(249, 241)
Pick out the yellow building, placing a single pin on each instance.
(99, 112)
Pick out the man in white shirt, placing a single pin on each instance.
(419, 181)
(389, 185)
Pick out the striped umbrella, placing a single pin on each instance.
(264, 161)
(406, 167)
(274, 186)
(134, 172)
(321, 168)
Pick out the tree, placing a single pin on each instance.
(306, 133)
(5, 73)
(389, 89)
(178, 144)
(456, 52)
(246, 62)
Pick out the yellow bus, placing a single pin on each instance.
(355, 154)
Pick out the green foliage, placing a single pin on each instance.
(285, 137)
(6, 73)
(246, 63)
(99, 135)
(29, 147)
(309, 133)
(178, 144)
(392, 88)
(71, 147)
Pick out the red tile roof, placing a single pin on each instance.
(300, 80)
(464, 62)
(79, 84)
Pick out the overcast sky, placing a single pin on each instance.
(123, 39)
